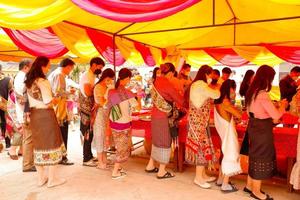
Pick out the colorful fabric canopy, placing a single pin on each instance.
(232, 32)
(132, 10)
(39, 42)
(105, 46)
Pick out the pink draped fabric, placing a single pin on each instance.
(41, 42)
(287, 53)
(146, 53)
(134, 10)
(104, 44)
(226, 56)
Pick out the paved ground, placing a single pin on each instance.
(86, 183)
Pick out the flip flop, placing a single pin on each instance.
(154, 170)
(122, 175)
(167, 175)
(233, 189)
(267, 197)
(121, 170)
(250, 192)
(102, 168)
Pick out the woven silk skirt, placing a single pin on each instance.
(48, 145)
(262, 156)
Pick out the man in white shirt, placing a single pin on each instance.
(19, 87)
(57, 79)
(86, 85)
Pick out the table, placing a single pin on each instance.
(285, 140)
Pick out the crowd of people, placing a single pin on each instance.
(41, 117)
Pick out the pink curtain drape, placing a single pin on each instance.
(41, 42)
(104, 44)
(134, 10)
(146, 53)
(287, 53)
(226, 56)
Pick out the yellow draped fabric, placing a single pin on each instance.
(20, 14)
(128, 51)
(75, 39)
(257, 55)
(275, 93)
(198, 58)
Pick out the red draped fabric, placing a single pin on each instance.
(41, 42)
(146, 53)
(226, 56)
(287, 53)
(104, 44)
(134, 10)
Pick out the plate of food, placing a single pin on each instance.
(145, 117)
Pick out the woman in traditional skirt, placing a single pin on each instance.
(224, 123)
(121, 102)
(47, 140)
(199, 146)
(163, 95)
(101, 121)
(262, 112)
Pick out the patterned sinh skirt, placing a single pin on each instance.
(48, 145)
(122, 140)
(99, 129)
(262, 157)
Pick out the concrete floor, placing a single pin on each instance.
(91, 184)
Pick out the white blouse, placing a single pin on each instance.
(200, 92)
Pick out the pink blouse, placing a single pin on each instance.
(263, 108)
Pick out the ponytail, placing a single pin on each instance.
(123, 73)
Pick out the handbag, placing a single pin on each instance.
(174, 117)
(16, 139)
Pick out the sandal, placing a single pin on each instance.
(13, 157)
(102, 167)
(154, 170)
(167, 175)
(122, 171)
(233, 189)
(255, 197)
(122, 175)
(250, 192)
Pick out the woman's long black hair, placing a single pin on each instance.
(262, 81)
(123, 73)
(201, 75)
(36, 70)
(154, 75)
(107, 73)
(225, 90)
(246, 82)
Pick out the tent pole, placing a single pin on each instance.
(211, 26)
(114, 54)
(114, 45)
(234, 31)
(214, 14)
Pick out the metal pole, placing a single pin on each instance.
(210, 26)
(214, 7)
(234, 31)
(114, 54)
